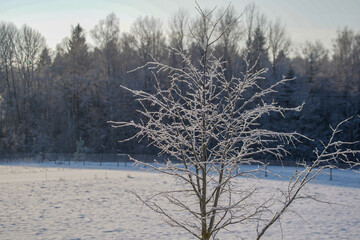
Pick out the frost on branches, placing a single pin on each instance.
(208, 127)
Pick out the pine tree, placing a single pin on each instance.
(79, 61)
(76, 82)
(257, 50)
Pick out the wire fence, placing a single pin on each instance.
(121, 160)
(117, 158)
(84, 158)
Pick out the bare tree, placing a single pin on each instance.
(279, 45)
(10, 92)
(346, 61)
(333, 154)
(210, 129)
(178, 29)
(227, 45)
(149, 36)
(315, 56)
(20, 52)
(107, 35)
(201, 29)
(128, 51)
(29, 45)
(8, 33)
(206, 132)
(254, 19)
(256, 50)
(107, 31)
(250, 17)
(150, 43)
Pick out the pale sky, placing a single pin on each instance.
(304, 19)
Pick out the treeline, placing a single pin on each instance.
(56, 101)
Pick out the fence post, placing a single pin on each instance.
(266, 174)
(331, 177)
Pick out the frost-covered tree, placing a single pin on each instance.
(207, 131)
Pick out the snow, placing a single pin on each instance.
(51, 201)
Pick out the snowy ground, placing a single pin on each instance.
(50, 201)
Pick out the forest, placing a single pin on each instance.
(50, 100)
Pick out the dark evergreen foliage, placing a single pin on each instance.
(51, 100)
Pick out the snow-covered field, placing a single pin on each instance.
(50, 201)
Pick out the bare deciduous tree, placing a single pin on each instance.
(29, 45)
(178, 29)
(279, 42)
(333, 154)
(256, 44)
(207, 131)
(8, 32)
(228, 44)
(150, 43)
(315, 56)
(150, 39)
(107, 31)
(346, 61)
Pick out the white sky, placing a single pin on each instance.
(304, 19)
